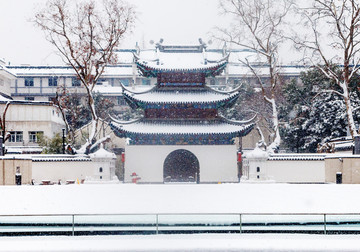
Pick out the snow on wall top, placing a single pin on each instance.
(59, 158)
(304, 157)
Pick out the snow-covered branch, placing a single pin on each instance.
(86, 36)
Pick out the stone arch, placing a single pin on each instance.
(181, 166)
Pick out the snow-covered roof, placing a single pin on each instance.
(108, 89)
(236, 69)
(23, 149)
(102, 153)
(344, 145)
(169, 58)
(183, 61)
(6, 72)
(257, 153)
(23, 71)
(6, 99)
(168, 127)
(183, 97)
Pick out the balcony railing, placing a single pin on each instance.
(126, 224)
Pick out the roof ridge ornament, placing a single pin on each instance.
(133, 92)
(225, 92)
(251, 120)
(225, 58)
(124, 122)
(203, 50)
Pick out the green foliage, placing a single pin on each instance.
(313, 116)
(51, 145)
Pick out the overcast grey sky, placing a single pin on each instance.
(177, 21)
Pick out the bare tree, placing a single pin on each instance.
(86, 35)
(258, 25)
(334, 39)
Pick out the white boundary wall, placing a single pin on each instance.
(287, 168)
(218, 163)
(58, 170)
(296, 171)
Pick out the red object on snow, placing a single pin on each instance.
(134, 180)
(239, 157)
(135, 177)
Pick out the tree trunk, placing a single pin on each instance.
(276, 142)
(349, 110)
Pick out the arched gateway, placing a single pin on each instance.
(181, 110)
(181, 166)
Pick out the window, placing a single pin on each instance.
(29, 98)
(16, 136)
(100, 169)
(52, 99)
(146, 82)
(34, 136)
(121, 100)
(100, 177)
(100, 82)
(29, 82)
(125, 82)
(75, 82)
(53, 81)
(257, 169)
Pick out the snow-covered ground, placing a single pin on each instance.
(179, 198)
(202, 201)
(195, 243)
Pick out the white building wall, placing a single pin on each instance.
(107, 171)
(218, 163)
(296, 171)
(22, 117)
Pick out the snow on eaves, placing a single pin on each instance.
(181, 97)
(185, 127)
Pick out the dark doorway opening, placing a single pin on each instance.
(181, 166)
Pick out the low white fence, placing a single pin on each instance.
(125, 224)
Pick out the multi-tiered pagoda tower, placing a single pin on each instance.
(182, 137)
